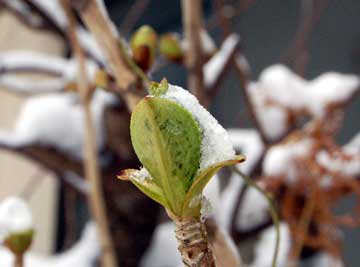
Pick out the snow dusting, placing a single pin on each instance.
(57, 120)
(216, 145)
(279, 91)
(15, 217)
(212, 69)
(264, 249)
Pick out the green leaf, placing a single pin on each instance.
(199, 184)
(167, 141)
(148, 187)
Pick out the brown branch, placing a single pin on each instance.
(105, 35)
(297, 54)
(92, 170)
(194, 58)
(137, 9)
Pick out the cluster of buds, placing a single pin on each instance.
(145, 44)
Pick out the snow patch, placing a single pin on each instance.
(15, 217)
(216, 145)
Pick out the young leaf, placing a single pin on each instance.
(199, 184)
(148, 187)
(167, 141)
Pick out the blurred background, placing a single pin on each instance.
(266, 27)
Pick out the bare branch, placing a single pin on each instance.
(92, 170)
(194, 58)
(134, 14)
(297, 53)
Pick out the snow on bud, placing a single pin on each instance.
(143, 46)
(180, 145)
(16, 226)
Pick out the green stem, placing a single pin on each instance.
(273, 211)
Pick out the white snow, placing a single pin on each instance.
(15, 59)
(28, 85)
(216, 145)
(82, 254)
(281, 159)
(212, 69)
(57, 120)
(264, 249)
(163, 249)
(254, 209)
(54, 10)
(15, 217)
(279, 90)
(65, 69)
(208, 45)
(324, 259)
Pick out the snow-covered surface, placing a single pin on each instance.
(281, 159)
(15, 217)
(212, 69)
(207, 42)
(279, 89)
(82, 254)
(324, 259)
(15, 59)
(163, 249)
(57, 120)
(54, 10)
(216, 145)
(264, 249)
(348, 167)
(254, 210)
(65, 70)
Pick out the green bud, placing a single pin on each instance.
(167, 140)
(143, 46)
(20, 242)
(158, 89)
(170, 48)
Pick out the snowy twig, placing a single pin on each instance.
(216, 68)
(194, 59)
(92, 171)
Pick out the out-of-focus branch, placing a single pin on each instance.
(194, 59)
(297, 54)
(107, 38)
(134, 14)
(92, 170)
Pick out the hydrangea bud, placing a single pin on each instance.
(16, 227)
(180, 145)
(143, 46)
(170, 47)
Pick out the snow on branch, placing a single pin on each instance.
(215, 68)
(64, 70)
(279, 94)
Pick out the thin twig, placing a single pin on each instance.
(194, 59)
(136, 11)
(108, 39)
(92, 171)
